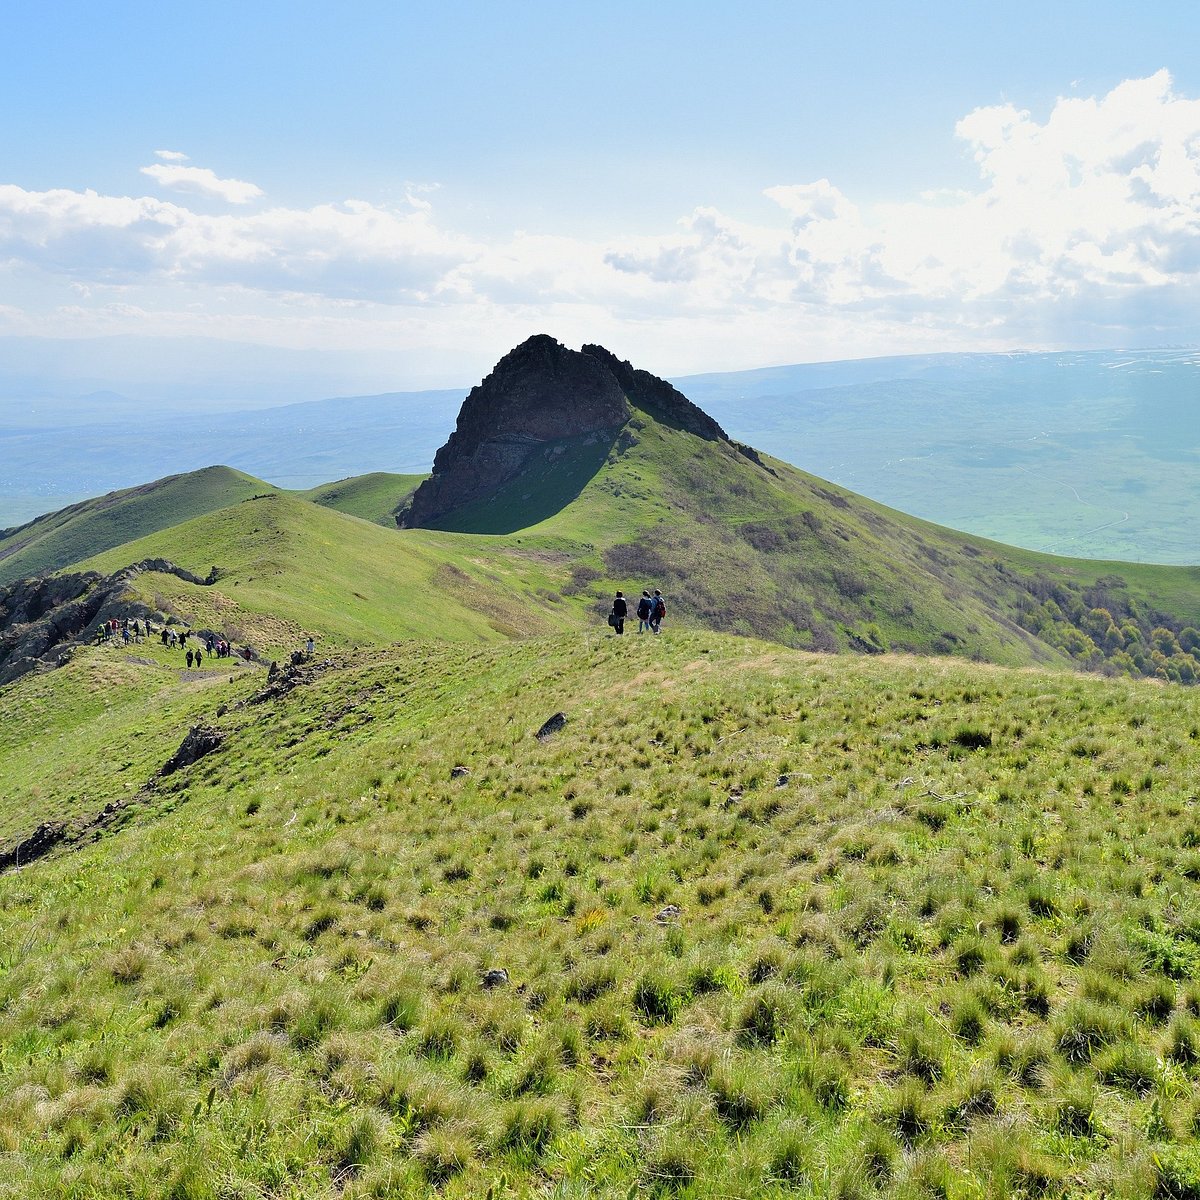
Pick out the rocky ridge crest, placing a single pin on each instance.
(542, 392)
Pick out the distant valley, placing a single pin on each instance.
(1093, 454)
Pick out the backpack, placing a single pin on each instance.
(644, 608)
(660, 608)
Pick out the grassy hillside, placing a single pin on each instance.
(737, 545)
(936, 931)
(288, 567)
(93, 526)
(771, 551)
(375, 497)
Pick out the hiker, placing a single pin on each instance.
(620, 610)
(189, 660)
(644, 608)
(657, 612)
(309, 646)
(199, 656)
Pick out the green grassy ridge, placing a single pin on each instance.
(80, 531)
(375, 497)
(950, 953)
(781, 554)
(99, 729)
(761, 550)
(289, 567)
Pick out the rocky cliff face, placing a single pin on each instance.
(658, 397)
(540, 392)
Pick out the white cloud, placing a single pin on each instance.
(1083, 228)
(352, 251)
(171, 155)
(203, 182)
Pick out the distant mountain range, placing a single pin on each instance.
(1093, 453)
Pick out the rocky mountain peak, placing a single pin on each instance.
(538, 393)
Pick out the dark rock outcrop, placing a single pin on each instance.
(551, 726)
(201, 740)
(42, 620)
(40, 842)
(658, 397)
(540, 392)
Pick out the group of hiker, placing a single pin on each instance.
(125, 631)
(134, 629)
(216, 647)
(650, 612)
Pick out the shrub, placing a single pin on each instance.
(1074, 1112)
(764, 1015)
(1128, 1066)
(1183, 1043)
(672, 1166)
(1085, 1028)
(1177, 1173)
(905, 1109)
(789, 1158)
(443, 1153)
(656, 998)
(740, 1094)
(529, 1126)
(359, 1143)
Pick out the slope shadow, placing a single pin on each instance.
(553, 476)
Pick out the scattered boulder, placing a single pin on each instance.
(669, 914)
(783, 781)
(200, 740)
(41, 841)
(495, 977)
(459, 771)
(551, 726)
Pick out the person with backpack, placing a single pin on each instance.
(189, 660)
(658, 610)
(644, 608)
(620, 610)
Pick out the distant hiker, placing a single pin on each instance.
(183, 636)
(644, 609)
(657, 611)
(199, 656)
(309, 646)
(165, 634)
(189, 660)
(620, 610)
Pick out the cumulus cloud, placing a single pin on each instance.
(171, 155)
(1082, 227)
(349, 250)
(1094, 210)
(201, 181)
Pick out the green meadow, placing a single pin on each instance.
(750, 918)
(773, 924)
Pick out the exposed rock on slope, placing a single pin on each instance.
(542, 392)
(42, 619)
(658, 396)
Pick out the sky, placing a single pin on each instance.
(699, 186)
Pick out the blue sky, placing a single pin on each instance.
(699, 186)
